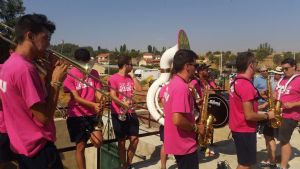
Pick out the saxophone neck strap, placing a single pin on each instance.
(282, 90)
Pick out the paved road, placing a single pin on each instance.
(225, 150)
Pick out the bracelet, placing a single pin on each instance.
(267, 115)
(56, 84)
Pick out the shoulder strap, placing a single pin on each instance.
(286, 85)
(237, 78)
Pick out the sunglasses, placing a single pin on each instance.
(285, 68)
(263, 70)
(130, 64)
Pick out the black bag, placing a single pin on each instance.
(223, 165)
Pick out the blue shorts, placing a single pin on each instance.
(129, 127)
(188, 161)
(5, 152)
(47, 158)
(245, 144)
(80, 127)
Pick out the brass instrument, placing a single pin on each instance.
(207, 120)
(274, 105)
(6, 34)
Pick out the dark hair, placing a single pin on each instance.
(182, 57)
(290, 61)
(34, 23)
(123, 60)
(82, 54)
(243, 60)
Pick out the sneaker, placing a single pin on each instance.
(130, 167)
(267, 164)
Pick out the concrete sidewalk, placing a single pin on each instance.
(225, 150)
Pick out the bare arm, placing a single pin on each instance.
(44, 112)
(253, 116)
(180, 121)
(137, 85)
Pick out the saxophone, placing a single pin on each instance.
(275, 105)
(207, 120)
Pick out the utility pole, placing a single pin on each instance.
(294, 56)
(221, 60)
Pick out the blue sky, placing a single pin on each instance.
(234, 25)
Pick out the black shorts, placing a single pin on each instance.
(80, 127)
(245, 144)
(5, 152)
(286, 130)
(129, 127)
(48, 157)
(188, 161)
(269, 131)
(161, 133)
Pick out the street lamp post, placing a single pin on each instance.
(221, 60)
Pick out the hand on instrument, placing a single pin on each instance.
(263, 106)
(201, 129)
(59, 71)
(271, 114)
(97, 107)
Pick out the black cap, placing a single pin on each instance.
(203, 66)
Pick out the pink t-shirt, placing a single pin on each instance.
(83, 90)
(244, 92)
(197, 87)
(124, 86)
(179, 99)
(2, 125)
(291, 94)
(21, 89)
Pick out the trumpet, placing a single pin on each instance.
(83, 67)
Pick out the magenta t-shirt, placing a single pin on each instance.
(21, 89)
(2, 125)
(244, 92)
(197, 87)
(83, 90)
(291, 94)
(124, 86)
(178, 99)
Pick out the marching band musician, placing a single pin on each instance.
(287, 91)
(204, 77)
(6, 154)
(268, 131)
(125, 124)
(180, 128)
(243, 110)
(163, 155)
(29, 120)
(83, 108)
(260, 83)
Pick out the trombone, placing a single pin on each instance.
(83, 67)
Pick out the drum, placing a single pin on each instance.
(219, 108)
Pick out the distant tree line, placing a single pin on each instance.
(11, 10)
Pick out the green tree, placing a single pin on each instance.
(150, 49)
(288, 55)
(163, 50)
(66, 49)
(10, 11)
(277, 58)
(263, 51)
